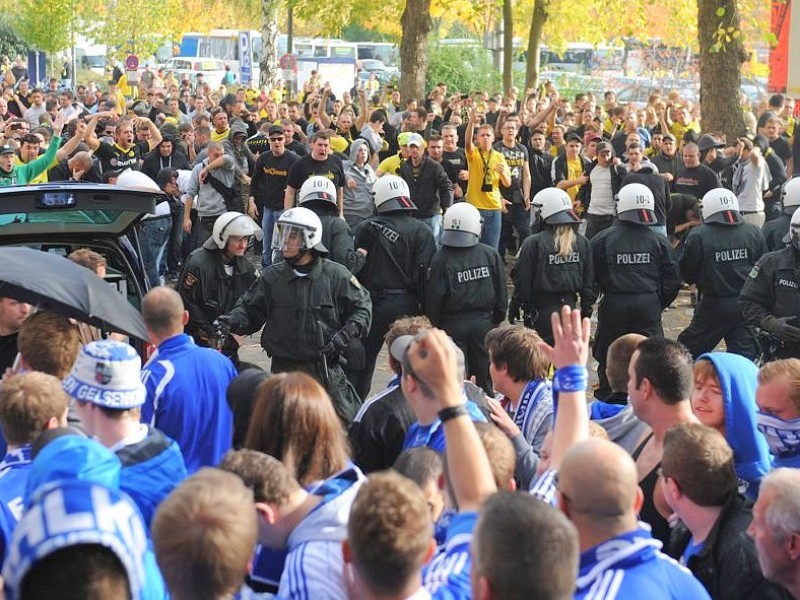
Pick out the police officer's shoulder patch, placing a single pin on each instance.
(754, 271)
(355, 282)
(189, 281)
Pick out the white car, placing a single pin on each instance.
(213, 70)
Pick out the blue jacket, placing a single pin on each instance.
(13, 477)
(632, 566)
(150, 471)
(446, 577)
(432, 435)
(73, 457)
(186, 387)
(737, 381)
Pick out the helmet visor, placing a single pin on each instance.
(288, 237)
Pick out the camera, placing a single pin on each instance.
(486, 187)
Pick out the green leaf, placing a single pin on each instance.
(721, 11)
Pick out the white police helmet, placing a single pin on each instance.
(298, 224)
(791, 193)
(556, 207)
(793, 237)
(462, 226)
(391, 193)
(232, 224)
(136, 179)
(317, 188)
(721, 206)
(636, 204)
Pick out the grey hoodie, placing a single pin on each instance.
(358, 202)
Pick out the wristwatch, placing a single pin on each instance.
(452, 412)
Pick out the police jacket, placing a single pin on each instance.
(431, 188)
(208, 291)
(772, 288)
(295, 307)
(466, 283)
(775, 230)
(336, 237)
(727, 565)
(542, 275)
(399, 250)
(718, 257)
(617, 174)
(632, 259)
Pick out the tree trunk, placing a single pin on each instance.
(416, 23)
(540, 15)
(269, 34)
(508, 45)
(721, 57)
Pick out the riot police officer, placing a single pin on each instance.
(770, 298)
(318, 193)
(398, 250)
(466, 289)
(215, 276)
(637, 273)
(717, 256)
(554, 266)
(775, 230)
(310, 308)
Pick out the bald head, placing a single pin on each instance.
(163, 312)
(599, 483)
(81, 160)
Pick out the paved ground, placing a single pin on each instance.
(675, 320)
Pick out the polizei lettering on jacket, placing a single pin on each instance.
(473, 274)
(387, 232)
(633, 258)
(729, 255)
(557, 259)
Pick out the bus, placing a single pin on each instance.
(304, 47)
(388, 54)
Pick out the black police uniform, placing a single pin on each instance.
(637, 273)
(466, 296)
(773, 289)
(399, 250)
(338, 239)
(775, 230)
(718, 257)
(544, 280)
(301, 311)
(208, 292)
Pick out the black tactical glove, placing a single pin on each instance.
(780, 328)
(222, 326)
(513, 313)
(340, 341)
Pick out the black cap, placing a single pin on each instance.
(708, 141)
(573, 137)
(7, 149)
(275, 129)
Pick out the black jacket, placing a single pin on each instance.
(153, 162)
(632, 259)
(466, 283)
(558, 170)
(656, 184)
(540, 274)
(719, 257)
(727, 565)
(294, 308)
(208, 291)
(338, 239)
(775, 230)
(431, 190)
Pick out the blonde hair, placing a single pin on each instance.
(565, 239)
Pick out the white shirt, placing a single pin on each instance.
(602, 201)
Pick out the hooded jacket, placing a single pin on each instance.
(621, 425)
(737, 382)
(314, 565)
(153, 162)
(72, 457)
(358, 202)
(240, 152)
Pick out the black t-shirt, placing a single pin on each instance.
(8, 351)
(695, 181)
(270, 175)
(297, 147)
(113, 157)
(516, 157)
(306, 167)
(458, 161)
(781, 147)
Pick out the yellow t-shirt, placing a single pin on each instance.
(218, 137)
(391, 165)
(475, 164)
(574, 170)
(679, 130)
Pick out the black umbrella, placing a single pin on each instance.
(52, 281)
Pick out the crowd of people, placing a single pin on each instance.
(338, 227)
